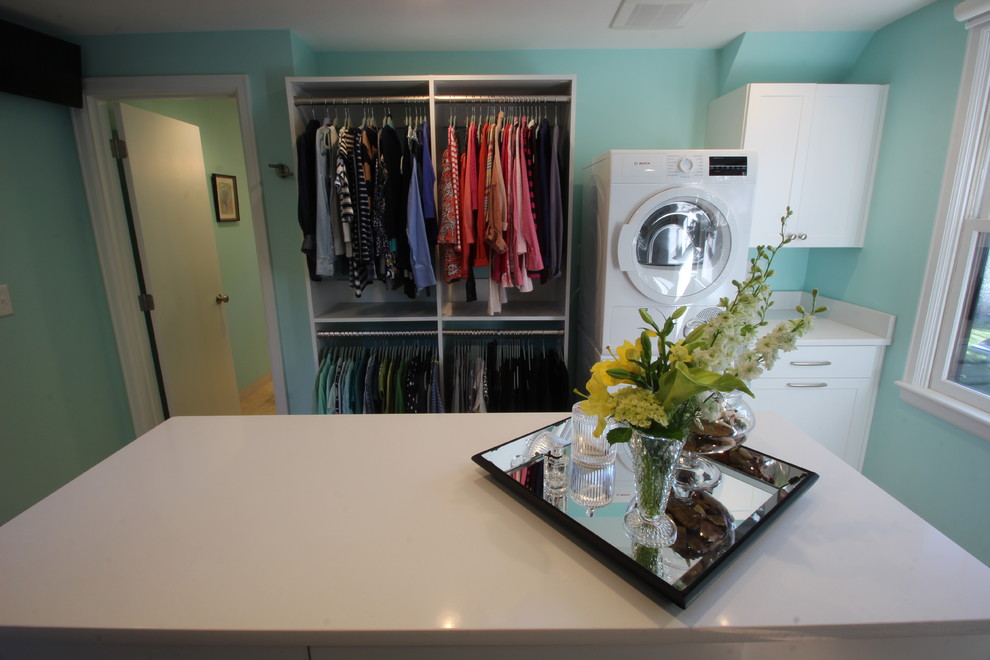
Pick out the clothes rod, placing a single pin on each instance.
(505, 99)
(358, 100)
(377, 100)
(330, 334)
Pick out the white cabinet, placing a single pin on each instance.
(832, 405)
(827, 386)
(816, 152)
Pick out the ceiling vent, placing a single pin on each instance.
(656, 15)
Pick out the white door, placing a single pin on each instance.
(173, 220)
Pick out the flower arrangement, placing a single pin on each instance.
(666, 384)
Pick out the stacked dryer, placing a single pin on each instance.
(660, 229)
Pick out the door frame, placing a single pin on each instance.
(106, 207)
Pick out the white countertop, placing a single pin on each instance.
(842, 324)
(307, 530)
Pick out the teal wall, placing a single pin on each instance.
(223, 153)
(791, 57)
(625, 99)
(933, 467)
(63, 407)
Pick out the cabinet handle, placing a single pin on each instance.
(811, 363)
(797, 237)
(807, 384)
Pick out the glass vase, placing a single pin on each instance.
(654, 460)
(723, 424)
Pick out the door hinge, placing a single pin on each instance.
(118, 148)
(145, 302)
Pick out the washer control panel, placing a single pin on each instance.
(689, 166)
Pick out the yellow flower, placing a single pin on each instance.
(599, 372)
(628, 353)
(599, 402)
(680, 353)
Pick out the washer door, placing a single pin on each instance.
(676, 246)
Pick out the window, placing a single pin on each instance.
(948, 369)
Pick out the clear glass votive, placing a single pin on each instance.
(586, 449)
(592, 487)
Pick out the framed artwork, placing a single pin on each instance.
(225, 198)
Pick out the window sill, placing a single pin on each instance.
(947, 409)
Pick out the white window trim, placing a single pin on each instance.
(961, 188)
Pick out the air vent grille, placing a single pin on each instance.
(635, 15)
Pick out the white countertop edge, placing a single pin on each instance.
(494, 638)
(879, 325)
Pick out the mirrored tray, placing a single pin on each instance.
(711, 525)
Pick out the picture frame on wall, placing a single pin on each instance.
(225, 198)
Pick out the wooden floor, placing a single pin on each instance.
(259, 397)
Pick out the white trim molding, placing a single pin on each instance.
(968, 10)
(968, 418)
(962, 189)
(105, 199)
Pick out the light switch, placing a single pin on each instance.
(6, 307)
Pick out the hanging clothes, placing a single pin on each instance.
(500, 204)
(421, 265)
(394, 379)
(307, 186)
(495, 219)
(363, 270)
(394, 203)
(515, 374)
(449, 236)
(529, 243)
(469, 204)
(481, 199)
(379, 175)
(327, 208)
(353, 209)
(427, 180)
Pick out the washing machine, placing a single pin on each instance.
(660, 229)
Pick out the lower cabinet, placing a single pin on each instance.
(826, 391)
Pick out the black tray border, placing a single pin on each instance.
(621, 563)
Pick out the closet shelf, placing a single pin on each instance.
(515, 310)
(356, 312)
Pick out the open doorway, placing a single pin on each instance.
(205, 101)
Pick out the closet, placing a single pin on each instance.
(403, 264)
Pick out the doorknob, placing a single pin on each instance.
(222, 298)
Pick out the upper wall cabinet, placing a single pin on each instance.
(816, 153)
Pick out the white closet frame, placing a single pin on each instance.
(332, 304)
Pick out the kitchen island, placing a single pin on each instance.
(377, 537)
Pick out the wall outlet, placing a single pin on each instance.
(6, 307)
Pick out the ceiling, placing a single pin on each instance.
(375, 25)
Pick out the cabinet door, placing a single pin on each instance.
(778, 126)
(833, 412)
(844, 137)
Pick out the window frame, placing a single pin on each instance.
(954, 240)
